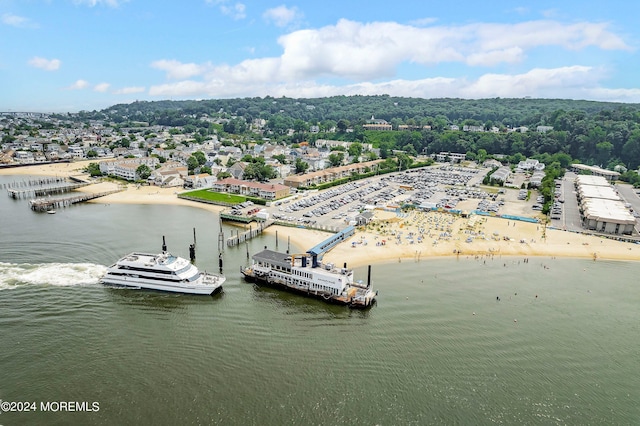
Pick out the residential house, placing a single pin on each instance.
(237, 169)
(202, 180)
(76, 151)
(23, 157)
(329, 175)
(536, 179)
(122, 167)
(492, 163)
(452, 157)
(502, 174)
(267, 191)
(169, 176)
(321, 143)
(530, 164)
(377, 124)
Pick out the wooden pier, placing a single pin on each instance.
(47, 204)
(239, 238)
(33, 182)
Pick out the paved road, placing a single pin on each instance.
(629, 195)
(571, 220)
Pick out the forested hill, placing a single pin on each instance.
(600, 133)
(359, 109)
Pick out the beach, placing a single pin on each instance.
(389, 237)
(129, 194)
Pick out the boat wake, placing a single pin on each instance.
(14, 275)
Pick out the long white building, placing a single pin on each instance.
(601, 207)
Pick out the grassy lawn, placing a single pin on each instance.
(205, 194)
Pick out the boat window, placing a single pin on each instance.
(195, 277)
(185, 269)
(155, 271)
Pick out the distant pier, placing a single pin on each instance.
(47, 204)
(58, 188)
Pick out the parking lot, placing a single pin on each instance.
(448, 187)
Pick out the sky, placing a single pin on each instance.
(73, 55)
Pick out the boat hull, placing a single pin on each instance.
(141, 283)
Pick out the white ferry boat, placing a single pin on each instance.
(163, 272)
(303, 274)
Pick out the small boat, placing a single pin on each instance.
(51, 211)
(163, 272)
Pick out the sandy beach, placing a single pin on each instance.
(129, 194)
(390, 237)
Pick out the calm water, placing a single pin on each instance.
(438, 348)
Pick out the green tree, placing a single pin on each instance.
(280, 157)
(482, 155)
(404, 161)
(192, 163)
(603, 152)
(301, 166)
(259, 171)
(355, 149)
(336, 159)
(143, 172)
(94, 169)
(92, 153)
(342, 125)
(631, 150)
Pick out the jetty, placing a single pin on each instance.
(47, 204)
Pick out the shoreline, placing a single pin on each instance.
(365, 246)
(389, 238)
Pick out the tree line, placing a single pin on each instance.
(596, 133)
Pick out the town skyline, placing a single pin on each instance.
(88, 55)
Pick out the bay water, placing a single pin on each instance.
(451, 341)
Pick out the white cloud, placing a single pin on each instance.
(363, 52)
(129, 90)
(183, 88)
(178, 70)
(45, 64)
(422, 22)
(101, 87)
(537, 82)
(573, 82)
(79, 85)
(373, 50)
(235, 10)
(17, 21)
(282, 15)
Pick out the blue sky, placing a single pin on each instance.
(72, 55)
